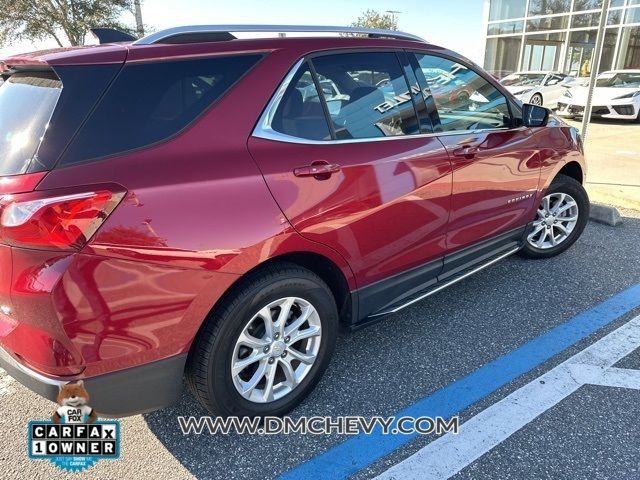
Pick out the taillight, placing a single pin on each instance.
(61, 222)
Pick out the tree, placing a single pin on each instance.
(373, 19)
(137, 12)
(65, 21)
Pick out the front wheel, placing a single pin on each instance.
(561, 217)
(265, 347)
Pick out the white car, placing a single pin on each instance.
(538, 88)
(617, 95)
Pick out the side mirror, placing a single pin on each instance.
(534, 115)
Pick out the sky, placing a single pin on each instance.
(455, 24)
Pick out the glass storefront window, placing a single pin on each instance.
(542, 51)
(580, 51)
(580, 5)
(572, 54)
(629, 57)
(506, 9)
(585, 20)
(505, 28)
(547, 7)
(633, 15)
(501, 57)
(548, 23)
(614, 17)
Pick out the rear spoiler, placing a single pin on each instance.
(111, 35)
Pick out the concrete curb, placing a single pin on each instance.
(605, 214)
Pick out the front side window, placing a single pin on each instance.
(464, 100)
(150, 102)
(366, 94)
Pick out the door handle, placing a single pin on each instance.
(320, 171)
(466, 151)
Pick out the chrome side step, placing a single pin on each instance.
(446, 284)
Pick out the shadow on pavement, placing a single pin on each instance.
(385, 367)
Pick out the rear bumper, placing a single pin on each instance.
(132, 391)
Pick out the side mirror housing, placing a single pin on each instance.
(534, 115)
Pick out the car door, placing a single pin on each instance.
(495, 164)
(351, 168)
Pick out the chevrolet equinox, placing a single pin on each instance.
(197, 205)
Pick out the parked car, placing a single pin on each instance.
(616, 95)
(538, 88)
(186, 205)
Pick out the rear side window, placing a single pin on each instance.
(150, 102)
(367, 95)
(300, 112)
(464, 100)
(27, 101)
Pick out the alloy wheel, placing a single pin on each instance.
(556, 218)
(276, 350)
(536, 100)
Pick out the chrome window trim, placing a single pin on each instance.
(264, 130)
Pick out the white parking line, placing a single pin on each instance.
(450, 453)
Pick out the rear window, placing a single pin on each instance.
(27, 101)
(150, 102)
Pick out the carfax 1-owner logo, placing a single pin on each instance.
(74, 439)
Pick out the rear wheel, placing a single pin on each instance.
(536, 99)
(561, 217)
(265, 348)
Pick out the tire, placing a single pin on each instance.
(556, 241)
(536, 99)
(209, 365)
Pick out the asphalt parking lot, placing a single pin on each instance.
(412, 356)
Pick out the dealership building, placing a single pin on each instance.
(559, 35)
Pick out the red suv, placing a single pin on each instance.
(196, 205)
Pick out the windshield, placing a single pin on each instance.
(27, 101)
(619, 80)
(522, 79)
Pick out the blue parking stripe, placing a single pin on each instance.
(358, 452)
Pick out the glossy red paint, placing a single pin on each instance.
(81, 55)
(494, 188)
(386, 210)
(14, 184)
(212, 203)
